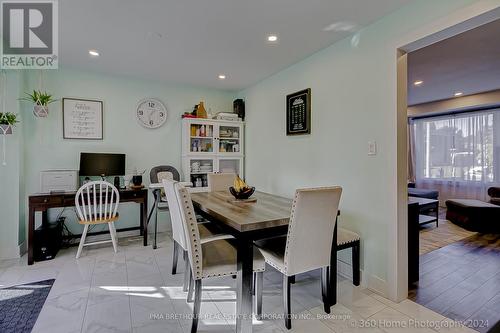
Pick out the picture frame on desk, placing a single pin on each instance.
(82, 119)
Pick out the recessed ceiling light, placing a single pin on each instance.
(272, 38)
(94, 53)
(222, 76)
(418, 83)
(458, 93)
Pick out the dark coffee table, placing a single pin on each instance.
(425, 205)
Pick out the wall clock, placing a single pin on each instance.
(151, 113)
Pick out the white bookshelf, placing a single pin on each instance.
(211, 146)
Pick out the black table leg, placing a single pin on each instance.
(154, 210)
(31, 235)
(245, 276)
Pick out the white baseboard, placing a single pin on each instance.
(377, 285)
(11, 252)
(371, 282)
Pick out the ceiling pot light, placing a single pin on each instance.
(418, 83)
(458, 93)
(93, 53)
(222, 76)
(272, 38)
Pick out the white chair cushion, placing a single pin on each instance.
(345, 236)
(273, 250)
(219, 259)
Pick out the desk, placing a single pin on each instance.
(41, 202)
(267, 217)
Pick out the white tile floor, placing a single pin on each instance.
(134, 291)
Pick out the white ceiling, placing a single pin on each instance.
(468, 62)
(202, 39)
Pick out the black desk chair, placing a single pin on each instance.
(156, 175)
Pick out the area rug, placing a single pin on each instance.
(20, 305)
(433, 238)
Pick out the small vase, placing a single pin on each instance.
(200, 111)
(5, 129)
(41, 111)
(137, 180)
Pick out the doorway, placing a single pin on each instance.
(458, 268)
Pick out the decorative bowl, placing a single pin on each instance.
(243, 194)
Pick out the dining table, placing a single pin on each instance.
(264, 216)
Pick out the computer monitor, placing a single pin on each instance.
(99, 164)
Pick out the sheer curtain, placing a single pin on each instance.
(458, 154)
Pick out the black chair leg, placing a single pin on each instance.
(355, 264)
(325, 286)
(156, 227)
(258, 286)
(197, 305)
(286, 301)
(254, 277)
(187, 269)
(175, 257)
(332, 270)
(190, 288)
(292, 279)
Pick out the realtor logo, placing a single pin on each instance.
(29, 35)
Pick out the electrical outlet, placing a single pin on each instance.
(372, 148)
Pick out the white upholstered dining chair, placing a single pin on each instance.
(97, 203)
(178, 235)
(213, 258)
(220, 181)
(308, 244)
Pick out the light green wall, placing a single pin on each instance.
(10, 175)
(46, 149)
(353, 86)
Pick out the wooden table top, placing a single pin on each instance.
(267, 212)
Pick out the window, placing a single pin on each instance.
(461, 147)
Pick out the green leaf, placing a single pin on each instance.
(39, 98)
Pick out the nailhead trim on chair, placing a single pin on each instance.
(197, 269)
(354, 238)
(290, 229)
(196, 251)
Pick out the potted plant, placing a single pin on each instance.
(41, 100)
(7, 120)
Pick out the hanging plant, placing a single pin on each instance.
(41, 102)
(7, 120)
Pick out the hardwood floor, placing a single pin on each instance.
(462, 281)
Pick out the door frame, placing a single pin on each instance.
(467, 18)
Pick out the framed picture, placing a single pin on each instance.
(298, 112)
(82, 119)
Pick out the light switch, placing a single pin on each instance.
(372, 148)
